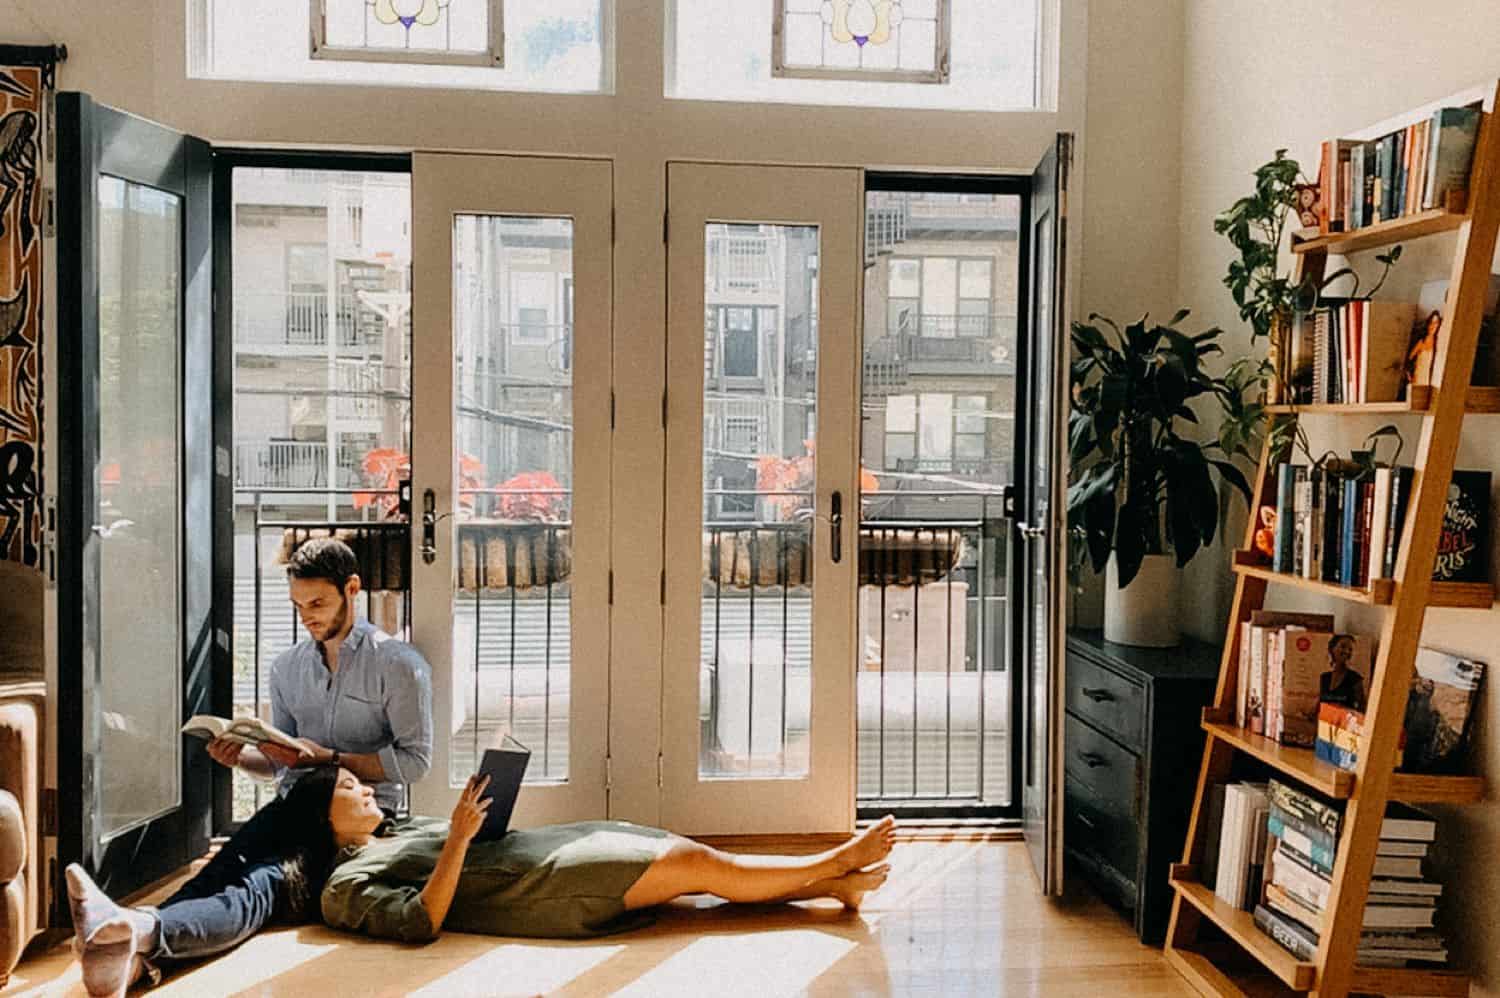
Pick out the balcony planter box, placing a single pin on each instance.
(382, 548)
(513, 554)
(888, 556)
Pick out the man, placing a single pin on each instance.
(353, 697)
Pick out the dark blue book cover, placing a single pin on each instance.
(1333, 526)
(1400, 492)
(1463, 545)
(1349, 535)
(1286, 521)
(1332, 754)
(1398, 198)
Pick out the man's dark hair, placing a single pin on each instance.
(323, 558)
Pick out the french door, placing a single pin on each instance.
(1041, 503)
(762, 494)
(133, 631)
(511, 470)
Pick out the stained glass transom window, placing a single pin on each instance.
(895, 40)
(467, 32)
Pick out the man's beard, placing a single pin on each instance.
(338, 622)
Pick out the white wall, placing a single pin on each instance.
(1260, 77)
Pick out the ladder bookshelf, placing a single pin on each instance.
(1246, 961)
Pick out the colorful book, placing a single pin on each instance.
(1450, 153)
(1439, 710)
(1401, 479)
(1319, 854)
(1463, 547)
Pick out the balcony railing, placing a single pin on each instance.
(292, 464)
(301, 319)
(931, 687)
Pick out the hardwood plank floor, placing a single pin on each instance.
(959, 916)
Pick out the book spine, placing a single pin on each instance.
(1242, 680)
(1400, 488)
(1257, 694)
(1366, 520)
(1312, 561)
(1278, 900)
(1333, 522)
(1279, 928)
(1301, 511)
(1304, 808)
(1275, 657)
(1285, 486)
(1349, 539)
(1335, 756)
(1379, 522)
(1304, 836)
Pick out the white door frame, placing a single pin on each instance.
(832, 199)
(445, 185)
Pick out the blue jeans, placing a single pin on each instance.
(232, 897)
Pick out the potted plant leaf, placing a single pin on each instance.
(1268, 298)
(1146, 494)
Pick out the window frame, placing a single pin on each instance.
(492, 57)
(938, 74)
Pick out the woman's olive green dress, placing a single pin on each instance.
(556, 882)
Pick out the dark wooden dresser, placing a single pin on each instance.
(1133, 745)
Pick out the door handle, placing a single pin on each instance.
(429, 527)
(1093, 760)
(1031, 533)
(836, 526)
(1098, 695)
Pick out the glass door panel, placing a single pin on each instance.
(760, 410)
(512, 266)
(761, 445)
(513, 419)
(138, 516)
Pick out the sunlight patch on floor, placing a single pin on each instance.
(756, 965)
(544, 969)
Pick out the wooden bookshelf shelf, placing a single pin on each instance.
(1298, 763)
(1381, 234)
(1410, 981)
(1304, 766)
(1481, 399)
(1240, 926)
(1381, 592)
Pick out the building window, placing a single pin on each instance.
(931, 431)
(741, 344)
(892, 40)
(560, 46)
(940, 297)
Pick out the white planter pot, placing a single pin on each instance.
(1144, 613)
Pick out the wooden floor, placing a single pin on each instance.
(957, 917)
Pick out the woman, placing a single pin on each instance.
(1341, 685)
(410, 878)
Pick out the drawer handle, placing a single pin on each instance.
(1098, 694)
(1093, 760)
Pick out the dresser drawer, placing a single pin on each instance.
(1105, 840)
(1112, 773)
(1106, 700)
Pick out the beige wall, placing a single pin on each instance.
(1254, 83)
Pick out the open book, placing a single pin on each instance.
(245, 730)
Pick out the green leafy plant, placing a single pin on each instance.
(1255, 225)
(1140, 486)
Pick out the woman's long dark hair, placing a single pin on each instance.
(310, 847)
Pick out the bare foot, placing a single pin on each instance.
(852, 887)
(870, 846)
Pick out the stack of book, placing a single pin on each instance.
(1302, 839)
(1290, 664)
(1240, 812)
(1347, 528)
(1424, 165)
(1351, 351)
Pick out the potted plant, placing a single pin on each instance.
(1144, 499)
(1268, 298)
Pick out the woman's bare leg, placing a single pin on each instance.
(689, 867)
(851, 888)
